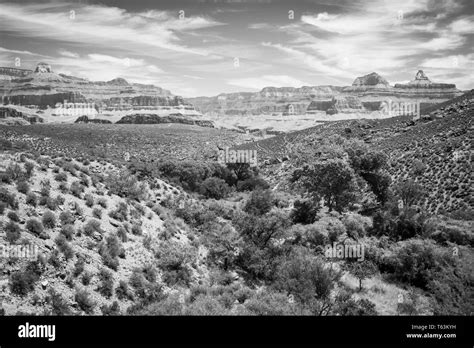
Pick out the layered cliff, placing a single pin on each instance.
(44, 88)
(365, 95)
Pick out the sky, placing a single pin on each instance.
(207, 47)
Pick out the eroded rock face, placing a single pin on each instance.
(44, 88)
(155, 119)
(366, 94)
(372, 80)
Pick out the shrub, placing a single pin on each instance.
(121, 213)
(66, 218)
(78, 267)
(61, 177)
(102, 202)
(13, 216)
(12, 231)
(126, 185)
(3, 206)
(8, 198)
(58, 303)
(34, 226)
(123, 292)
(86, 278)
(122, 234)
(77, 189)
(97, 213)
(270, 303)
(260, 202)
(106, 286)
(89, 200)
(31, 199)
(23, 187)
(304, 211)
(252, 184)
(64, 247)
(137, 229)
(63, 187)
(84, 301)
(22, 282)
(173, 259)
(214, 188)
(113, 309)
(49, 219)
(29, 167)
(92, 226)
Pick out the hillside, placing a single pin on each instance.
(438, 150)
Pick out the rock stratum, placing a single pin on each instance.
(365, 95)
(43, 89)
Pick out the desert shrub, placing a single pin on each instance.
(127, 185)
(31, 199)
(304, 211)
(416, 263)
(123, 292)
(66, 218)
(92, 226)
(54, 259)
(174, 259)
(311, 236)
(78, 267)
(13, 216)
(260, 202)
(89, 200)
(61, 177)
(12, 231)
(13, 172)
(63, 187)
(121, 212)
(49, 219)
(97, 213)
(8, 198)
(64, 247)
(214, 188)
(122, 234)
(34, 226)
(102, 202)
(59, 305)
(86, 278)
(83, 299)
(346, 305)
(137, 229)
(270, 303)
(357, 225)
(51, 203)
(23, 187)
(106, 287)
(305, 277)
(251, 184)
(110, 251)
(3, 206)
(29, 168)
(113, 309)
(77, 189)
(84, 180)
(22, 282)
(205, 305)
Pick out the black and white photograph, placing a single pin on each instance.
(237, 159)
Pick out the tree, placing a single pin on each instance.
(260, 202)
(409, 192)
(215, 188)
(362, 270)
(332, 179)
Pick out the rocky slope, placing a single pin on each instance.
(369, 90)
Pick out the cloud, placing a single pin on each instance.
(268, 81)
(66, 53)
